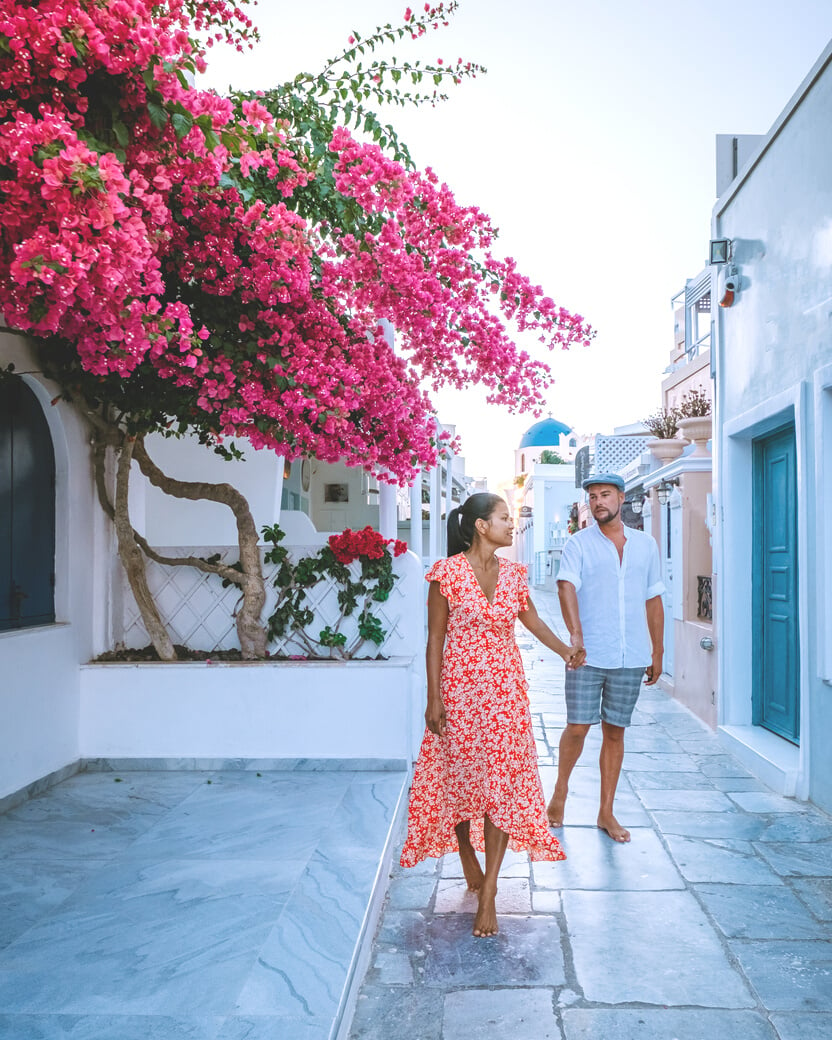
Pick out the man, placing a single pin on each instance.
(610, 591)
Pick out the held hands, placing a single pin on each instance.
(575, 657)
(575, 654)
(435, 716)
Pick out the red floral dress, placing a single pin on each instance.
(486, 764)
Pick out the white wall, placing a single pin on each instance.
(39, 688)
(165, 520)
(773, 345)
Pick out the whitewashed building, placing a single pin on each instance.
(772, 359)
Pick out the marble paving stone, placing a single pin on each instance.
(765, 802)
(584, 795)
(642, 718)
(403, 929)
(425, 868)
(515, 864)
(710, 824)
(89, 835)
(107, 1027)
(665, 1024)
(687, 801)
(364, 814)
(802, 1025)
(720, 860)
(759, 912)
(737, 783)
(525, 952)
(519, 1014)
(655, 761)
(133, 792)
(163, 938)
(453, 897)
(29, 891)
(237, 822)
(650, 738)
(699, 746)
(272, 1027)
(396, 1013)
(798, 859)
(673, 954)
(391, 968)
(302, 966)
(723, 765)
(798, 827)
(816, 894)
(594, 861)
(410, 893)
(788, 976)
(670, 782)
(546, 902)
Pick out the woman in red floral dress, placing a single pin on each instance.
(476, 784)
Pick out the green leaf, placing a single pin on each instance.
(158, 116)
(182, 123)
(120, 133)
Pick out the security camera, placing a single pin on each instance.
(728, 284)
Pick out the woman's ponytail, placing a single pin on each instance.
(456, 542)
(462, 520)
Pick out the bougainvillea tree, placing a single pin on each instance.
(188, 261)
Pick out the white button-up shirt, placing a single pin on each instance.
(612, 594)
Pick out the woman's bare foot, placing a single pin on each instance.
(485, 923)
(556, 807)
(609, 824)
(471, 868)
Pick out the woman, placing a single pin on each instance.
(476, 784)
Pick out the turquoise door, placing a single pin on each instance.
(776, 695)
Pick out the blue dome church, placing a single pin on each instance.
(547, 434)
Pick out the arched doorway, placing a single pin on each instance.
(27, 510)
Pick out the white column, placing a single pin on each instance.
(415, 540)
(388, 519)
(449, 502)
(435, 540)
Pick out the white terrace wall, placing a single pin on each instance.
(209, 711)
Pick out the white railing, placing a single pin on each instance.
(199, 612)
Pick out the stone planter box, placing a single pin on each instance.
(697, 428)
(666, 449)
(252, 710)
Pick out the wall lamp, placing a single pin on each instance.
(637, 504)
(665, 490)
(721, 251)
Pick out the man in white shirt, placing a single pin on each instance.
(610, 591)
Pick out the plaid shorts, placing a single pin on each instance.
(610, 694)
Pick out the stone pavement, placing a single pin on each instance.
(714, 922)
(191, 904)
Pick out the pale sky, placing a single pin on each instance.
(590, 143)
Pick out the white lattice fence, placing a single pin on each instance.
(613, 453)
(199, 612)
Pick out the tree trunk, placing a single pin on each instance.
(250, 630)
(133, 559)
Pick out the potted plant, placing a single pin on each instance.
(664, 425)
(695, 420)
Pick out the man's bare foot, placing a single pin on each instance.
(613, 828)
(471, 868)
(485, 923)
(555, 808)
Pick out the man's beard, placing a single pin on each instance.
(607, 519)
